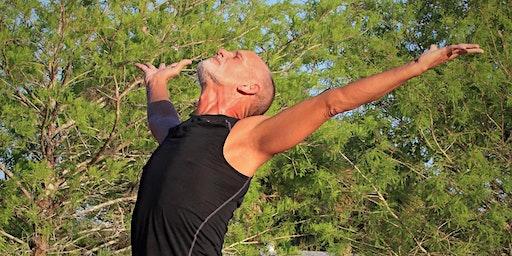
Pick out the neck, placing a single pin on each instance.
(216, 100)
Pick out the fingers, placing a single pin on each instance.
(477, 50)
(175, 68)
(184, 63)
(141, 67)
(467, 47)
(150, 65)
(172, 69)
(180, 65)
(454, 55)
(457, 50)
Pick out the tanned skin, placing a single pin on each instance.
(231, 80)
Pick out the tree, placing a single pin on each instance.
(424, 170)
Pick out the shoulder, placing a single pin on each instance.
(243, 129)
(239, 150)
(250, 122)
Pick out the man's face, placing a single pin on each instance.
(233, 68)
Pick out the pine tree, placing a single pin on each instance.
(424, 170)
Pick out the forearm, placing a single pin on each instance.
(159, 104)
(370, 88)
(161, 113)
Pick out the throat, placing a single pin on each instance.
(213, 101)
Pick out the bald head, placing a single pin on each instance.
(245, 79)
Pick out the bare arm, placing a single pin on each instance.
(161, 113)
(291, 126)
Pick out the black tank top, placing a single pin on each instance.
(188, 191)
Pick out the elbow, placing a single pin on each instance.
(156, 133)
(159, 126)
(333, 110)
(158, 130)
(337, 102)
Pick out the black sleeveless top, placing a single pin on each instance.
(188, 191)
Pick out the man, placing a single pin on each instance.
(201, 170)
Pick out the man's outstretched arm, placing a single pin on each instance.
(161, 113)
(291, 126)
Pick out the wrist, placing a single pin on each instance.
(417, 68)
(156, 82)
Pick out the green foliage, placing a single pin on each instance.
(425, 170)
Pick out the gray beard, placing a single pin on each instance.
(203, 75)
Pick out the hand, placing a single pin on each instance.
(436, 56)
(162, 73)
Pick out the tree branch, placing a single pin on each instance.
(381, 197)
(114, 127)
(111, 242)
(63, 127)
(11, 175)
(105, 204)
(13, 238)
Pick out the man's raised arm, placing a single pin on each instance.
(161, 113)
(291, 126)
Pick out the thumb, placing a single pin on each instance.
(183, 63)
(179, 65)
(175, 68)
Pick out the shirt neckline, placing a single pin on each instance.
(214, 116)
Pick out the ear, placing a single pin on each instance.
(248, 89)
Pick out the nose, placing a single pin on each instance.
(223, 53)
